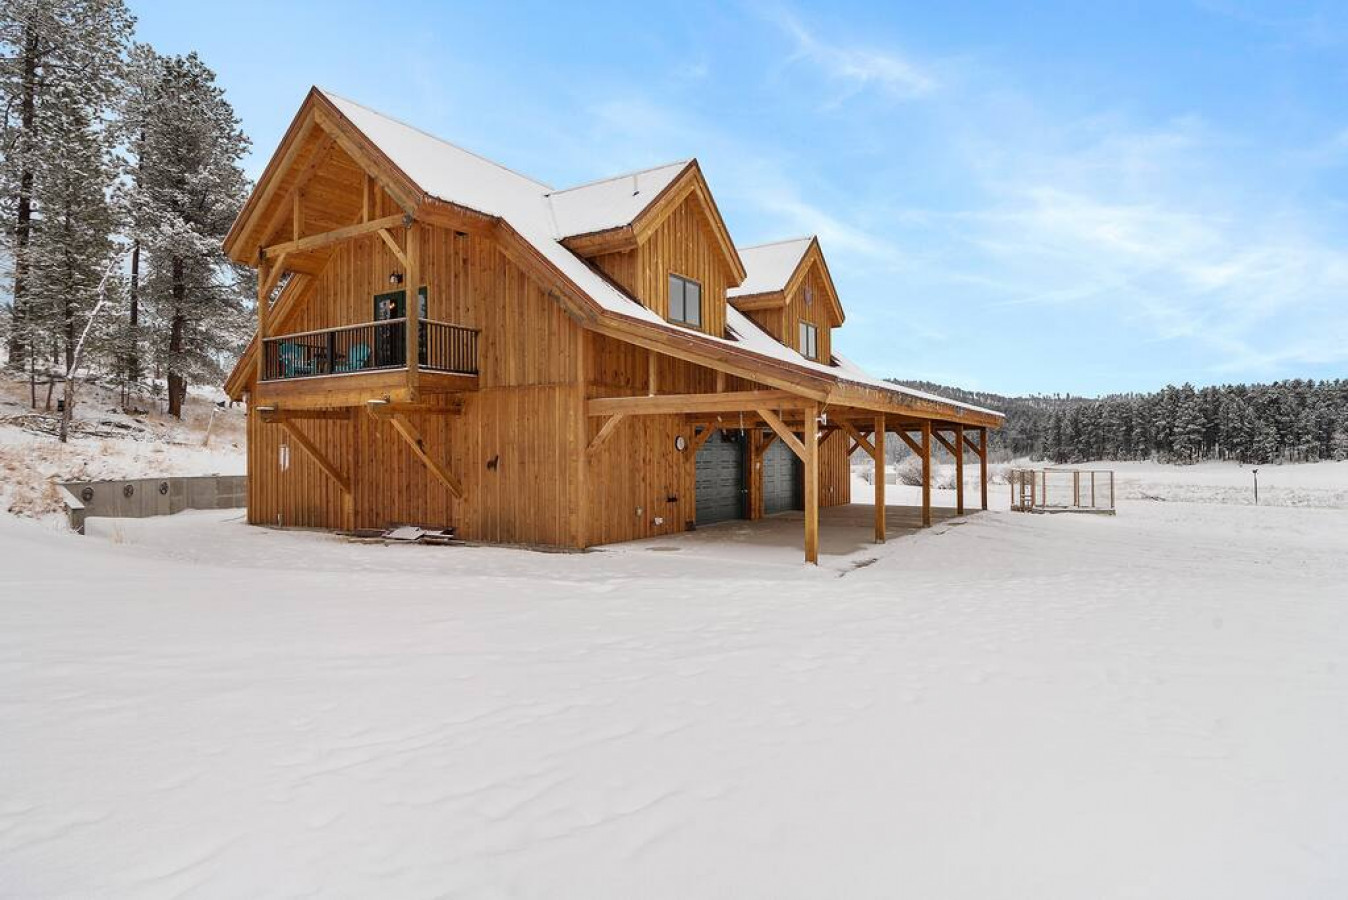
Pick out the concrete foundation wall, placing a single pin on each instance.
(139, 498)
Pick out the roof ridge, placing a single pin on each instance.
(608, 178)
(793, 240)
(547, 188)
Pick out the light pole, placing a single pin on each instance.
(1256, 486)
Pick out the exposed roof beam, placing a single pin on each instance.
(672, 404)
(327, 238)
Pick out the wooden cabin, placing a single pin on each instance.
(579, 366)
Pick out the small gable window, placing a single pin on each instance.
(809, 294)
(685, 301)
(809, 341)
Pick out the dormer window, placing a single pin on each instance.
(685, 301)
(809, 341)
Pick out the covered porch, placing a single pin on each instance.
(864, 418)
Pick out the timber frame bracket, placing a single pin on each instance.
(397, 417)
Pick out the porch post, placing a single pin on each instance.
(983, 464)
(412, 278)
(878, 442)
(811, 447)
(755, 510)
(959, 469)
(926, 473)
(263, 279)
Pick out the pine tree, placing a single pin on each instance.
(1339, 445)
(69, 254)
(1188, 425)
(57, 55)
(188, 189)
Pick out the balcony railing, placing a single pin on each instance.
(370, 347)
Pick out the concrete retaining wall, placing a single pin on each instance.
(139, 498)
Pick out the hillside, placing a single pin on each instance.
(107, 442)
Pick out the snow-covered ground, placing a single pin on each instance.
(1323, 484)
(1151, 705)
(108, 443)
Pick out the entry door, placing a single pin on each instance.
(783, 479)
(390, 349)
(721, 485)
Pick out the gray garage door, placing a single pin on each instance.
(783, 487)
(720, 479)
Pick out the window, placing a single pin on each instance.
(685, 301)
(809, 341)
(809, 294)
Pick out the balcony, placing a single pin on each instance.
(355, 363)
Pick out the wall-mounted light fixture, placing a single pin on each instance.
(395, 278)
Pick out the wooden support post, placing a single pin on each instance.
(579, 438)
(412, 281)
(720, 381)
(878, 444)
(366, 198)
(983, 465)
(652, 373)
(926, 473)
(959, 470)
(756, 447)
(297, 216)
(811, 459)
(263, 309)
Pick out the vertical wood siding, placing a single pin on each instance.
(515, 444)
(681, 245)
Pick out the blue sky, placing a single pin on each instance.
(1063, 197)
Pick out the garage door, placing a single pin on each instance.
(783, 486)
(720, 479)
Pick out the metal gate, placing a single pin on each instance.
(783, 479)
(721, 486)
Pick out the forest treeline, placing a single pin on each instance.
(1291, 421)
(120, 174)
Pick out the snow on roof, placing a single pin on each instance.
(770, 266)
(610, 202)
(455, 175)
(747, 333)
(452, 174)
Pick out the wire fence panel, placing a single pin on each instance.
(1062, 490)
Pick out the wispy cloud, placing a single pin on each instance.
(1115, 225)
(854, 67)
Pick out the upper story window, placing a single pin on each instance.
(809, 341)
(685, 301)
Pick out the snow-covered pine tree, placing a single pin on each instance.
(1188, 425)
(69, 254)
(187, 190)
(54, 55)
(1339, 444)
